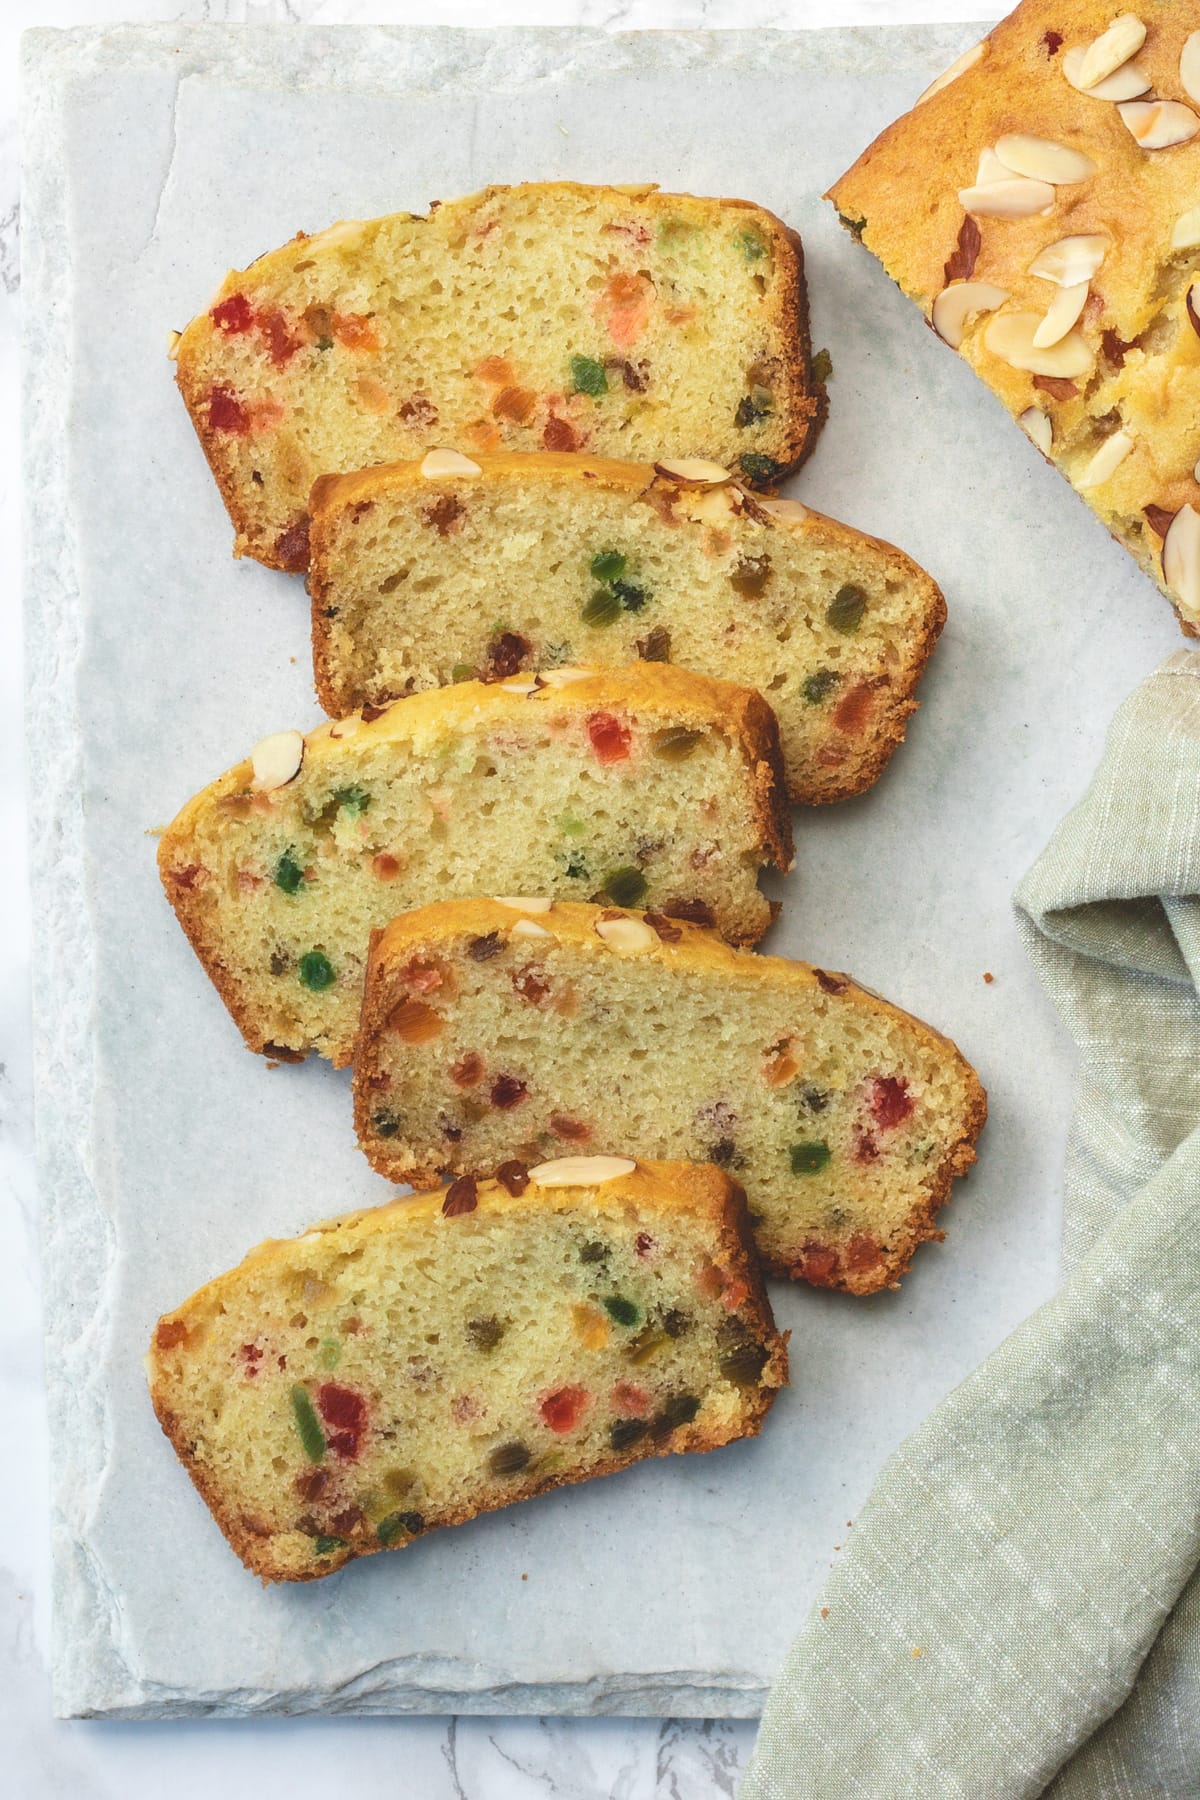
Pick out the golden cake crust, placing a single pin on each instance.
(695, 948)
(654, 1188)
(281, 541)
(742, 715)
(333, 497)
(1131, 363)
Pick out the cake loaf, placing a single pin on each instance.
(637, 784)
(427, 572)
(493, 1031)
(549, 316)
(412, 1366)
(1040, 205)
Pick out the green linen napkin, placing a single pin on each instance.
(1018, 1611)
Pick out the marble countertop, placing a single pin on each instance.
(432, 1758)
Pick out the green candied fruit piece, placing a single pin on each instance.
(679, 1410)
(631, 597)
(571, 827)
(604, 608)
(846, 610)
(509, 1459)
(822, 367)
(288, 874)
(462, 672)
(646, 1345)
(330, 1353)
(751, 245)
(576, 868)
(855, 227)
(760, 468)
(316, 971)
(623, 1311)
(809, 1158)
(324, 343)
(744, 1363)
(626, 887)
(607, 565)
(485, 1334)
(353, 800)
(399, 1525)
(676, 743)
(593, 1252)
(325, 1546)
(624, 1433)
(819, 685)
(307, 1424)
(753, 407)
(588, 377)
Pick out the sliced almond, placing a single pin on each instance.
(1010, 337)
(991, 169)
(1071, 259)
(1043, 159)
(537, 903)
(1159, 124)
(1196, 472)
(694, 471)
(1106, 461)
(519, 687)
(1016, 198)
(173, 338)
(276, 760)
(1037, 424)
(1061, 315)
(346, 728)
(530, 928)
(334, 237)
(436, 463)
(1181, 559)
(1125, 83)
(788, 512)
(556, 678)
(629, 935)
(958, 67)
(1123, 39)
(580, 1171)
(1189, 66)
(957, 304)
(1185, 233)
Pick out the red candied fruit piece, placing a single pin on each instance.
(169, 1333)
(345, 1412)
(863, 1251)
(468, 1071)
(854, 708)
(865, 1147)
(820, 1264)
(508, 1092)
(291, 547)
(226, 412)
(890, 1101)
(251, 1355)
(644, 1244)
(609, 738)
(560, 434)
(563, 1409)
(233, 315)
(281, 343)
(630, 1400)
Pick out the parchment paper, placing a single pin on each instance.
(157, 158)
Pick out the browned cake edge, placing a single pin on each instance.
(701, 1188)
(803, 413)
(701, 948)
(742, 712)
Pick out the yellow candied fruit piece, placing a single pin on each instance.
(591, 1326)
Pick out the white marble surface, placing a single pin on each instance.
(505, 1759)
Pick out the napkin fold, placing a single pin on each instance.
(1018, 1611)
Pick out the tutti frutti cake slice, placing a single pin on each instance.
(1041, 204)
(642, 784)
(409, 1367)
(548, 316)
(493, 1030)
(424, 573)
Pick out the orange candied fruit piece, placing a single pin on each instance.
(591, 1327)
(415, 1022)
